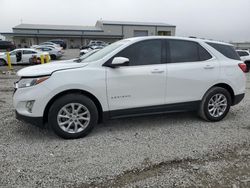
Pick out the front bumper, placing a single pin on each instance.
(38, 121)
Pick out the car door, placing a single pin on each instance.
(140, 84)
(27, 55)
(13, 57)
(191, 70)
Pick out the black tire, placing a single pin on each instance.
(204, 107)
(53, 57)
(2, 62)
(248, 65)
(69, 99)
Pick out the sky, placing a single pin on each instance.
(224, 20)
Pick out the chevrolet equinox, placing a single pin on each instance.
(136, 76)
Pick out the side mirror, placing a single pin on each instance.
(118, 61)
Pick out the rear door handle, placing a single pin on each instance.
(156, 71)
(209, 67)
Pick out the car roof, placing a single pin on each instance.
(177, 38)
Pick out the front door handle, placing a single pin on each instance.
(156, 71)
(209, 67)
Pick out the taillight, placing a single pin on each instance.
(243, 67)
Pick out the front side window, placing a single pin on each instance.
(143, 53)
(15, 52)
(186, 51)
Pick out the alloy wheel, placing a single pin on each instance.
(217, 105)
(73, 118)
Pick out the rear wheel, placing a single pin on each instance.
(73, 116)
(53, 57)
(215, 104)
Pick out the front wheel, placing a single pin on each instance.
(2, 62)
(73, 116)
(215, 104)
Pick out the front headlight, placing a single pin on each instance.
(27, 82)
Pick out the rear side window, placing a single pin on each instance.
(45, 49)
(146, 52)
(226, 50)
(242, 53)
(186, 51)
(28, 52)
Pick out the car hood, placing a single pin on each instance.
(47, 69)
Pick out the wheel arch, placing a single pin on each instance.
(53, 56)
(227, 87)
(76, 91)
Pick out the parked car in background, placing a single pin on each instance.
(46, 44)
(7, 45)
(85, 55)
(60, 42)
(88, 49)
(94, 45)
(85, 50)
(50, 43)
(131, 77)
(21, 56)
(97, 43)
(51, 46)
(245, 56)
(53, 52)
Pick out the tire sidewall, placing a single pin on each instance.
(72, 98)
(210, 94)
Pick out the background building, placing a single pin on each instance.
(242, 45)
(76, 36)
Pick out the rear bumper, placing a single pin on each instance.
(37, 121)
(238, 98)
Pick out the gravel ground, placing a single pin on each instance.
(173, 150)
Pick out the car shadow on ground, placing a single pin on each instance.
(124, 124)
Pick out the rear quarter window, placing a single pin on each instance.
(226, 50)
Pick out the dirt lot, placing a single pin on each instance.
(174, 150)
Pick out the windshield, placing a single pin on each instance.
(105, 51)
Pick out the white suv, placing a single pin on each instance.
(136, 76)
